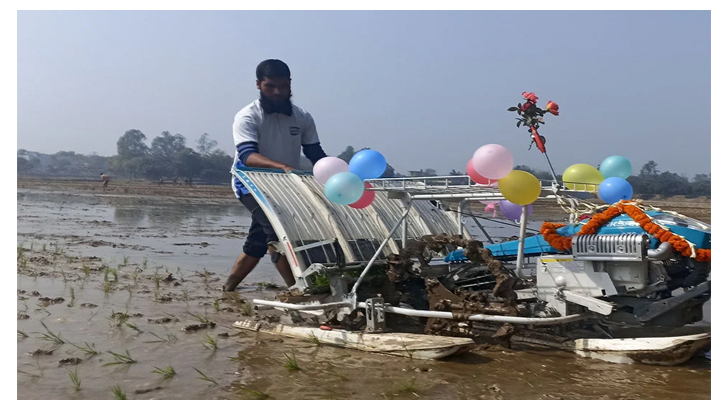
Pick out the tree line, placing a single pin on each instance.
(169, 157)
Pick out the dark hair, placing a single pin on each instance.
(272, 69)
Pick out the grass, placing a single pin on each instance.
(120, 358)
(22, 334)
(118, 393)
(210, 343)
(42, 309)
(89, 349)
(167, 373)
(134, 327)
(36, 376)
(205, 377)
(51, 337)
(75, 380)
(410, 387)
(216, 304)
(291, 363)
(321, 281)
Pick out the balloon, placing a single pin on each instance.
(616, 166)
(366, 198)
(520, 187)
(475, 177)
(582, 177)
(326, 167)
(344, 188)
(493, 161)
(614, 189)
(513, 211)
(368, 164)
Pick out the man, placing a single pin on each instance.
(105, 179)
(269, 133)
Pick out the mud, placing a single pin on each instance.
(159, 232)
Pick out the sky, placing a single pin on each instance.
(424, 88)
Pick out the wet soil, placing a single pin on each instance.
(118, 276)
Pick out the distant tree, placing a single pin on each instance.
(347, 154)
(24, 165)
(205, 144)
(650, 168)
(131, 145)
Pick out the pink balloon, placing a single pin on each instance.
(477, 178)
(327, 167)
(366, 198)
(493, 161)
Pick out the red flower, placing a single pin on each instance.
(530, 96)
(552, 107)
(526, 106)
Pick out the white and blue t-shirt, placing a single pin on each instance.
(276, 136)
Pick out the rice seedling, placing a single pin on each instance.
(205, 377)
(73, 297)
(314, 339)
(247, 309)
(94, 315)
(125, 261)
(170, 338)
(35, 375)
(167, 373)
(108, 286)
(56, 249)
(118, 319)
(42, 309)
(410, 387)
(144, 264)
(186, 296)
(31, 245)
(51, 337)
(291, 363)
(118, 393)
(156, 278)
(201, 319)
(89, 349)
(134, 327)
(75, 380)
(25, 307)
(259, 395)
(216, 304)
(120, 358)
(21, 251)
(44, 247)
(86, 270)
(22, 334)
(210, 343)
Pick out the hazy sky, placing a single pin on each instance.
(424, 88)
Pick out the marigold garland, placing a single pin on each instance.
(680, 244)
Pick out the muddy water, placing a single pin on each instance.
(72, 244)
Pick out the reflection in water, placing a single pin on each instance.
(129, 216)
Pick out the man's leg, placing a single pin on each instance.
(242, 267)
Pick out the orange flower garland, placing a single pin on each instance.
(680, 244)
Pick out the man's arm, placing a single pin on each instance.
(310, 142)
(257, 160)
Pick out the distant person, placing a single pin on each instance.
(105, 179)
(188, 181)
(269, 133)
(161, 181)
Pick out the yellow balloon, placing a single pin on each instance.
(520, 187)
(582, 177)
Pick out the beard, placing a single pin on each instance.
(271, 106)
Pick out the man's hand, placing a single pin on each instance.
(286, 169)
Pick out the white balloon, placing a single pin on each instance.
(327, 167)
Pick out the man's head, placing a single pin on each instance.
(274, 80)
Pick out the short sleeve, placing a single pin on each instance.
(245, 128)
(310, 136)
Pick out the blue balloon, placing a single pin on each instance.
(614, 189)
(368, 164)
(616, 166)
(344, 188)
